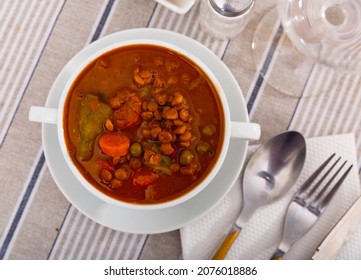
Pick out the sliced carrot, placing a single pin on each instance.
(145, 180)
(114, 144)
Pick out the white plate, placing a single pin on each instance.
(153, 221)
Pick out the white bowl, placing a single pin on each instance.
(239, 130)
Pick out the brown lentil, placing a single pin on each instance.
(121, 173)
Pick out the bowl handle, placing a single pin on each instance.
(43, 114)
(245, 130)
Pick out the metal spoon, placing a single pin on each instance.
(271, 172)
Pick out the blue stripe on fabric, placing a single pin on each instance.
(264, 68)
(143, 246)
(225, 50)
(151, 16)
(32, 74)
(103, 20)
(22, 206)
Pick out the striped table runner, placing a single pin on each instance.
(38, 37)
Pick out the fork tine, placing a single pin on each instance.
(324, 202)
(312, 191)
(319, 195)
(315, 174)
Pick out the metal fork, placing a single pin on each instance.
(307, 206)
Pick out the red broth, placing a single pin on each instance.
(144, 124)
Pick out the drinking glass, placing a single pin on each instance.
(295, 36)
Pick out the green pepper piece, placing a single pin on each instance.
(145, 92)
(92, 116)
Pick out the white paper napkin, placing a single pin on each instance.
(261, 235)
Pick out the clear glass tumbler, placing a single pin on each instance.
(326, 33)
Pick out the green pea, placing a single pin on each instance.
(202, 147)
(209, 129)
(186, 157)
(136, 150)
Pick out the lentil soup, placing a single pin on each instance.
(143, 124)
